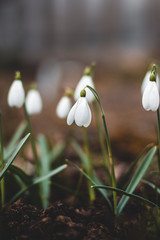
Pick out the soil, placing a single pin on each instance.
(61, 221)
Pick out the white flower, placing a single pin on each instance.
(63, 107)
(150, 98)
(33, 102)
(80, 113)
(16, 94)
(146, 80)
(84, 81)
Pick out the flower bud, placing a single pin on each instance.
(33, 102)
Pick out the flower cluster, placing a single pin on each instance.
(80, 112)
(150, 91)
(16, 96)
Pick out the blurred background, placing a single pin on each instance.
(52, 41)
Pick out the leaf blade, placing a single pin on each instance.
(136, 178)
(10, 161)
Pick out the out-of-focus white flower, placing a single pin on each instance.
(84, 81)
(63, 107)
(80, 113)
(146, 80)
(33, 102)
(16, 94)
(150, 98)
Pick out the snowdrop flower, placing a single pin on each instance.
(16, 94)
(146, 80)
(80, 112)
(63, 107)
(33, 102)
(150, 98)
(84, 81)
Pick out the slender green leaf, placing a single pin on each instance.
(152, 185)
(18, 148)
(92, 181)
(37, 181)
(136, 178)
(127, 176)
(44, 170)
(21, 174)
(81, 155)
(126, 194)
(17, 135)
(98, 182)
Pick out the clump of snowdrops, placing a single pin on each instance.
(38, 185)
(80, 113)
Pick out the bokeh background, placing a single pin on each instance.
(51, 42)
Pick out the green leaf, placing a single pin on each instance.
(21, 174)
(37, 181)
(136, 178)
(92, 181)
(17, 135)
(152, 185)
(126, 194)
(44, 169)
(81, 155)
(10, 161)
(126, 177)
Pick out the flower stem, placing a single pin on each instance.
(90, 166)
(32, 141)
(109, 148)
(102, 143)
(158, 120)
(2, 164)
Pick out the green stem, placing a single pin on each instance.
(102, 143)
(111, 164)
(109, 148)
(158, 120)
(2, 164)
(32, 141)
(90, 166)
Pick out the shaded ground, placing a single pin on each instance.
(61, 221)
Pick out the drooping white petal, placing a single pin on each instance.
(84, 81)
(33, 102)
(150, 98)
(154, 98)
(145, 97)
(82, 113)
(70, 118)
(146, 80)
(16, 94)
(63, 107)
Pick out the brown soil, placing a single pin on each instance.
(60, 221)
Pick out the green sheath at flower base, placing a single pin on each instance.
(17, 75)
(152, 77)
(89, 70)
(83, 93)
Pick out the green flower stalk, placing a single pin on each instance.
(90, 165)
(2, 165)
(89, 72)
(32, 140)
(102, 143)
(109, 148)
